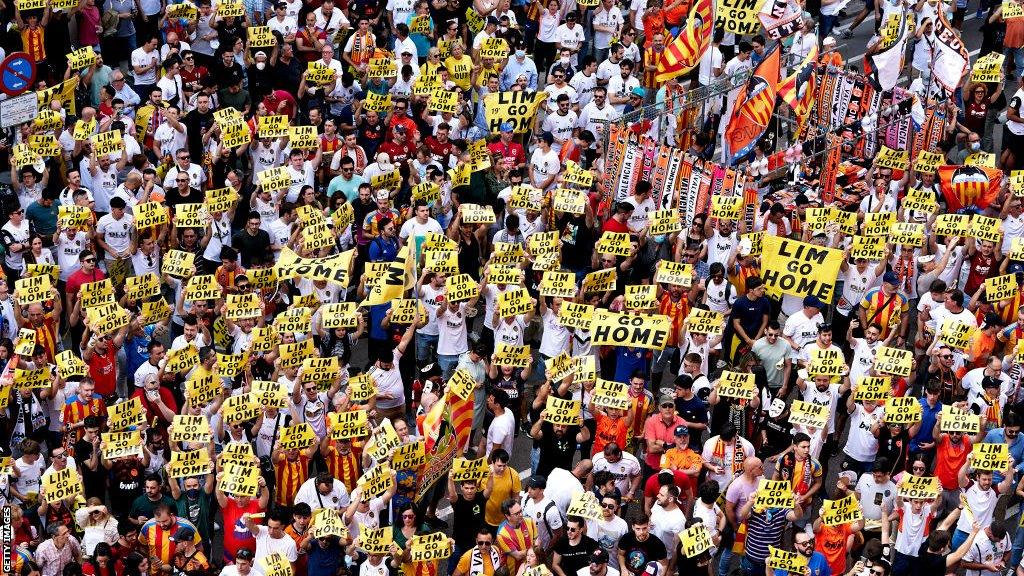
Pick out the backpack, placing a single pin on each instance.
(544, 514)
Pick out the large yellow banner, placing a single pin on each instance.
(800, 269)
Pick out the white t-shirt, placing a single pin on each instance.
(985, 551)
(502, 432)
(861, 444)
(142, 58)
(544, 165)
(981, 502)
(299, 179)
(873, 496)
(640, 216)
(801, 329)
(911, 534)
(709, 62)
(117, 233)
(337, 499)
(612, 18)
(451, 329)
(584, 86)
(547, 518)
(265, 545)
(555, 337)
(621, 88)
(863, 359)
(626, 468)
(607, 534)
(855, 286)
(830, 398)
(1017, 103)
(667, 524)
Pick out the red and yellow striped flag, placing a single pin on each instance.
(797, 89)
(461, 419)
(753, 107)
(684, 52)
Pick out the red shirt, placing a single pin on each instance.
(236, 535)
(151, 410)
(103, 371)
(682, 479)
(77, 278)
(513, 153)
(397, 152)
(439, 150)
(613, 225)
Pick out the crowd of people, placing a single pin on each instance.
(260, 257)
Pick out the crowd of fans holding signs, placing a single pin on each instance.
(293, 288)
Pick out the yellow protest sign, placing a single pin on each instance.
(641, 296)
(928, 162)
(476, 214)
(106, 143)
(376, 540)
(701, 321)
(443, 101)
(386, 181)
(696, 540)
(738, 16)
(82, 58)
(614, 243)
(32, 379)
(62, 484)
(149, 214)
(182, 359)
(907, 234)
(892, 159)
(808, 414)
(189, 429)
(461, 287)
(575, 315)
(409, 456)
(826, 362)
(70, 365)
(800, 269)
(33, 289)
(575, 175)
(843, 511)
(125, 414)
(774, 494)
(990, 456)
(518, 108)
(561, 411)
(429, 547)
(600, 280)
(557, 284)
(559, 367)
(902, 410)
(319, 73)
(106, 318)
(569, 201)
(956, 420)
(26, 342)
(178, 264)
(664, 222)
(226, 9)
(380, 67)
(878, 223)
(241, 408)
(73, 215)
(791, 562)
(190, 463)
(1012, 9)
(893, 361)
(303, 137)
(738, 385)
(956, 334)
(96, 293)
(726, 207)
(649, 331)
(495, 48)
(919, 200)
(585, 505)
(952, 225)
(514, 302)
(239, 479)
(350, 424)
(611, 394)
(873, 389)
(464, 470)
(121, 444)
(202, 287)
(511, 355)
(44, 145)
(383, 441)
(298, 437)
(986, 228)
(988, 68)
(1001, 287)
(375, 102)
(918, 487)
(260, 37)
(676, 273)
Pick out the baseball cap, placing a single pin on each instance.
(184, 534)
(890, 277)
(537, 481)
(506, 127)
(681, 431)
(666, 399)
(599, 556)
(638, 91)
(813, 301)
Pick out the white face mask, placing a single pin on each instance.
(261, 65)
(563, 60)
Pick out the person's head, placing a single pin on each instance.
(276, 523)
(244, 561)
(163, 516)
(937, 541)
(302, 513)
(598, 562)
(641, 526)
(609, 504)
(86, 388)
(152, 487)
(668, 496)
(803, 542)
(499, 459)
(984, 479)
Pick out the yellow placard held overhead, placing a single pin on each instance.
(1001, 287)
(517, 108)
(988, 68)
(986, 228)
(956, 420)
(574, 315)
(676, 273)
(649, 331)
(902, 410)
(774, 494)
(808, 414)
(843, 511)
(738, 16)
(990, 456)
(892, 159)
(738, 385)
(919, 487)
(696, 540)
(927, 162)
(33, 289)
(800, 269)
(561, 411)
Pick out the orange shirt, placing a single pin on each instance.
(831, 541)
(33, 41)
(680, 459)
(949, 458)
(608, 430)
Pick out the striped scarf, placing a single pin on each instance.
(737, 455)
(519, 539)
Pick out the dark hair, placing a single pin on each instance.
(640, 518)
(498, 455)
(800, 437)
(709, 491)
(937, 540)
(507, 505)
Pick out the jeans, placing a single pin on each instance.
(828, 22)
(751, 567)
(1017, 56)
(447, 363)
(426, 345)
(1018, 543)
(724, 561)
(959, 537)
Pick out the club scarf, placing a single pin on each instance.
(737, 456)
(476, 561)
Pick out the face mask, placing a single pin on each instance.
(659, 238)
(975, 146)
(192, 493)
(520, 53)
(563, 60)
(261, 65)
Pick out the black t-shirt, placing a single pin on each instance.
(197, 122)
(693, 410)
(638, 554)
(173, 197)
(928, 562)
(894, 449)
(555, 451)
(779, 434)
(249, 246)
(467, 517)
(94, 482)
(575, 558)
(126, 476)
(577, 240)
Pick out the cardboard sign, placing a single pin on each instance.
(600, 280)
(664, 222)
(952, 225)
(409, 456)
(585, 369)
(902, 410)
(319, 73)
(791, 562)
(928, 162)
(239, 479)
(97, 293)
(919, 487)
(558, 284)
(518, 108)
(380, 67)
(377, 480)
(873, 389)
(33, 289)
(106, 143)
(559, 367)
(178, 264)
(298, 437)
(986, 228)
(26, 342)
(808, 414)
(575, 175)
(117, 445)
(202, 389)
(641, 296)
(73, 216)
(384, 441)
(495, 48)
(827, 362)
(512, 355)
(907, 234)
(70, 365)
(376, 540)
(107, 318)
(182, 359)
(1001, 287)
(443, 101)
(429, 547)
(649, 331)
(189, 429)
(38, 378)
(842, 511)
(560, 411)
(576, 316)
(726, 207)
(124, 415)
(464, 470)
(878, 223)
(585, 505)
(868, 247)
(990, 456)
(260, 37)
(294, 320)
(774, 494)
(62, 484)
(738, 385)
(375, 102)
(142, 287)
(350, 424)
(799, 268)
(956, 334)
(893, 361)
(988, 68)
(241, 408)
(892, 159)
(44, 145)
(190, 463)
(701, 321)
(675, 273)
(614, 243)
(955, 420)
(611, 394)
(569, 201)
(696, 540)
(738, 16)
(461, 287)
(476, 214)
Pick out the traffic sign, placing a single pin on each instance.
(17, 73)
(18, 110)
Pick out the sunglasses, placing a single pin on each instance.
(483, 542)
(89, 260)
(608, 506)
(946, 356)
